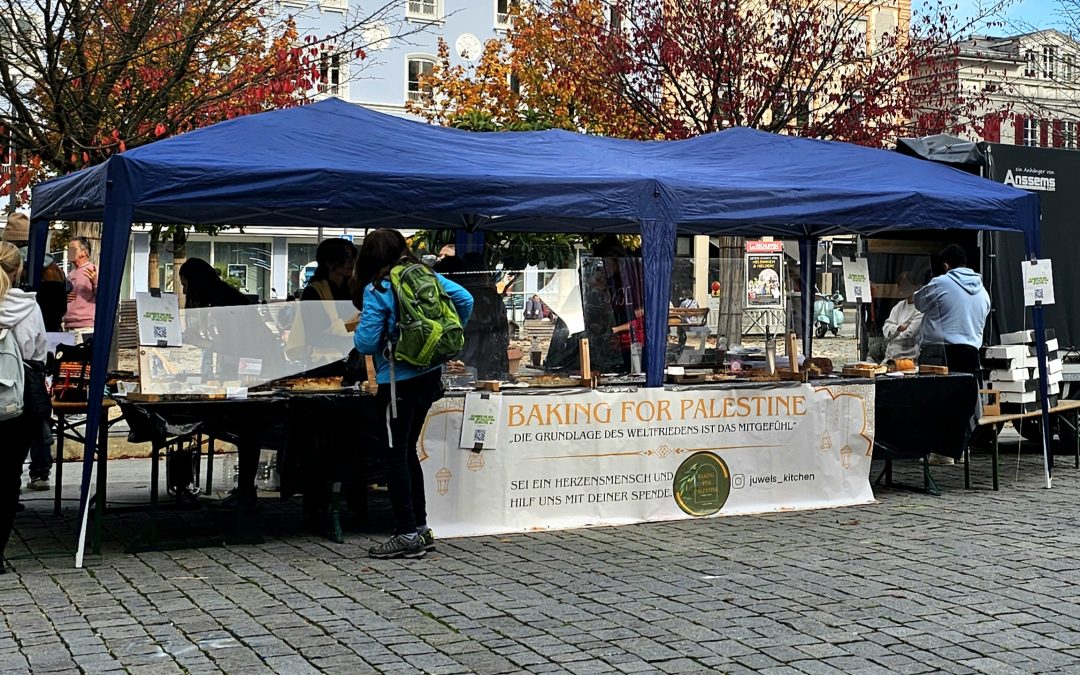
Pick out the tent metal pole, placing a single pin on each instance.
(115, 232)
(39, 241)
(808, 272)
(658, 253)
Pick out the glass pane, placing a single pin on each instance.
(246, 262)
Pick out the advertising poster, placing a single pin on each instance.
(765, 275)
(612, 458)
(1038, 282)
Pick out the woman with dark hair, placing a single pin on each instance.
(321, 331)
(204, 287)
(415, 388)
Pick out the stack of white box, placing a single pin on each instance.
(1015, 370)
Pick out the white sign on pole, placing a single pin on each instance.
(614, 458)
(480, 423)
(857, 280)
(159, 320)
(1038, 282)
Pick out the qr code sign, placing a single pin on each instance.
(479, 435)
(1039, 293)
(161, 332)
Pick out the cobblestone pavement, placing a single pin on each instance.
(971, 581)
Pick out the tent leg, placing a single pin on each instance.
(808, 272)
(115, 231)
(1044, 388)
(658, 250)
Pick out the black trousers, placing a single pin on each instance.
(16, 434)
(398, 440)
(959, 359)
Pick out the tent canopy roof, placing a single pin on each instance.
(334, 163)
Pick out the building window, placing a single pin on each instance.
(857, 36)
(1068, 134)
(418, 68)
(425, 10)
(504, 11)
(514, 83)
(1068, 67)
(330, 74)
(1031, 65)
(1031, 132)
(615, 18)
(1049, 62)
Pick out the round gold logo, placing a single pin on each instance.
(702, 484)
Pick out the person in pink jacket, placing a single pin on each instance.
(82, 300)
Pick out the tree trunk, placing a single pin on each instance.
(180, 238)
(154, 263)
(732, 288)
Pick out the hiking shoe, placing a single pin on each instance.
(427, 537)
(398, 546)
(38, 484)
(237, 501)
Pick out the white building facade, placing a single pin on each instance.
(1030, 84)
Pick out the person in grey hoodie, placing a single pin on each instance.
(20, 313)
(954, 306)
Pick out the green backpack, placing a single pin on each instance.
(429, 328)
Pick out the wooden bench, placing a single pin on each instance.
(994, 420)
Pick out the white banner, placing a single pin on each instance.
(596, 458)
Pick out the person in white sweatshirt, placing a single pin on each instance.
(20, 313)
(903, 326)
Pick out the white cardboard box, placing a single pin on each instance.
(1015, 375)
(1021, 337)
(1007, 352)
(1025, 397)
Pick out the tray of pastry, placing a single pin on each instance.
(551, 381)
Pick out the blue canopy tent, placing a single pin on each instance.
(334, 163)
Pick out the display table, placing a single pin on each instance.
(304, 428)
(921, 414)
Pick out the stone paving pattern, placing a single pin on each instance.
(969, 582)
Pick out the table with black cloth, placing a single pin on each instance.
(318, 436)
(920, 414)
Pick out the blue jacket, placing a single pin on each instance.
(379, 319)
(954, 307)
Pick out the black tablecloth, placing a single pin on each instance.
(927, 413)
(313, 432)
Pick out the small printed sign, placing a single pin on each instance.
(1038, 282)
(480, 425)
(159, 320)
(857, 280)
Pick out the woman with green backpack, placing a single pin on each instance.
(411, 321)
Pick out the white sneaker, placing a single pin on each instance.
(941, 460)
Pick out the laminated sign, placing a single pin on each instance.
(1038, 282)
(480, 425)
(159, 320)
(857, 280)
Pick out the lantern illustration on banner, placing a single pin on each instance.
(476, 461)
(826, 440)
(845, 450)
(443, 476)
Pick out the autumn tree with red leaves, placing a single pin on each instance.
(81, 81)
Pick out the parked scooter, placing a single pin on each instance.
(828, 314)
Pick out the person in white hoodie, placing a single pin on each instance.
(904, 325)
(20, 313)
